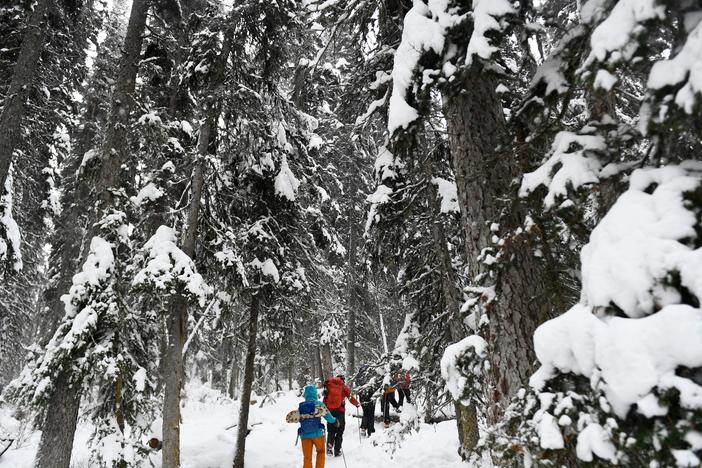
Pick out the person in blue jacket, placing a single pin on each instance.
(311, 429)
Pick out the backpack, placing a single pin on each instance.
(308, 424)
(335, 394)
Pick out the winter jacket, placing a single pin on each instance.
(402, 382)
(337, 393)
(366, 384)
(310, 394)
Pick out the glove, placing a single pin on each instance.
(337, 423)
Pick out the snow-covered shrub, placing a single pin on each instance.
(104, 349)
(621, 372)
(463, 366)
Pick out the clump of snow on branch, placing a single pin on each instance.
(420, 33)
(642, 242)
(633, 330)
(487, 16)
(266, 268)
(633, 355)
(286, 184)
(9, 231)
(572, 163)
(614, 39)
(150, 192)
(167, 265)
(685, 68)
(462, 367)
(96, 270)
(426, 26)
(448, 193)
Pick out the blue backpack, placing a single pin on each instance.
(308, 424)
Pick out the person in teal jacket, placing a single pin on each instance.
(312, 430)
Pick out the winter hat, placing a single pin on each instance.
(310, 392)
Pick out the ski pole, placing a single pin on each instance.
(343, 457)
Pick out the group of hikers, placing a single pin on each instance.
(333, 410)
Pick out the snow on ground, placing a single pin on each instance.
(207, 443)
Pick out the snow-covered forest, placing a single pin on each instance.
(480, 218)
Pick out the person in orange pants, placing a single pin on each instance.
(311, 429)
(318, 445)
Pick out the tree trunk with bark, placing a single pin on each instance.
(15, 104)
(115, 150)
(245, 400)
(327, 364)
(178, 317)
(58, 430)
(319, 370)
(59, 426)
(466, 416)
(351, 300)
(476, 127)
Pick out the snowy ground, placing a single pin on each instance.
(207, 443)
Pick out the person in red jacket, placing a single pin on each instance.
(402, 384)
(335, 394)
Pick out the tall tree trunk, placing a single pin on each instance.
(59, 426)
(115, 150)
(177, 326)
(351, 286)
(319, 370)
(476, 126)
(15, 104)
(466, 416)
(178, 318)
(245, 399)
(58, 430)
(327, 364)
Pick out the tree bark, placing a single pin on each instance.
(178, 318)
(59, 426)
(351, 286)
(15, 104)
(466, 416)
(245, 400)
(58, 430)
(327, 365)
(319, 370)
(476, 127)
(115, 150)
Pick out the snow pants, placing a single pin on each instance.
(336, 434)
(385, 403)
(318, 445)
(404, 394)
(368, 421)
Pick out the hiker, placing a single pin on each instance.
(402, 384)
(387, 400)
(366, 393)
(311, 430)
(336, 393)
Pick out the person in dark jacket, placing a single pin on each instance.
(336, 393)
(366, 385)
(387, 400)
